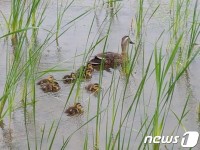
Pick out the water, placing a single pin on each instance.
(49, 107)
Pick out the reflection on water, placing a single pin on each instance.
(72, 45)
(7, 136)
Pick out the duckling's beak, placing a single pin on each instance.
(131, 42)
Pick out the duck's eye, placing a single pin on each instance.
(79, 106)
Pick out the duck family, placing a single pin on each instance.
(107, 60)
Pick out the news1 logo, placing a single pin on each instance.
(189, 139)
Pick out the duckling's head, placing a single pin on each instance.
(96, 86)
(88, 74)
(73, 75)
(79, 106)
(125, 42)
(89, 66)
(50, 78)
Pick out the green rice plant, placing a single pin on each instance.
(139, 20)
(112, 3)
(198, 112)
(16, 17)
(194, 30)
(60, 13)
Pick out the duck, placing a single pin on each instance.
(49, 79)
(93, 87)
(74, 110)
(55, 87)
(87, 67)
(67, 79)
(86, 74)
(112, 59)
(46, 87)
(50, 87)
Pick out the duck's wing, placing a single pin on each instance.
(107, 56)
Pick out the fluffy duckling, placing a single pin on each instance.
(46, 87)
(88, 74)
(50, 87)
(93, 87)
(90, 67)
(55, 87)
(69, 78)
(87, 67)
(74, 110)
(49, 79)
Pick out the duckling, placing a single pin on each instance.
(50, 87)
(46, 87)
(88, 74)
(69, 78)
(55, 87)
(49, 79)
(84, 68)
(74, 110)
(111, 59)
(93, 87)
(89, 67)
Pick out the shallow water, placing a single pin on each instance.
(49, 107)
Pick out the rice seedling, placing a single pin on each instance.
(60, 14)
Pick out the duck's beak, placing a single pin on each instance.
(131, 42)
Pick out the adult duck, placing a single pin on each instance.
(112, 59)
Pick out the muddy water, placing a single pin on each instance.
(50, 106)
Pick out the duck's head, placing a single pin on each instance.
(50, 78)
(78, 106)
(89, 66)
(125, 42)
(73, 75)
(55, 87)
(96, 86)
(88, 74)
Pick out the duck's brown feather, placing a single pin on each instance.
(110, 59)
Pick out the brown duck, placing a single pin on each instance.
(111, 59)
(49, 79)
(50, 87)
(69, 78)
(85, 71)
(74, 110)
(93, 87)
